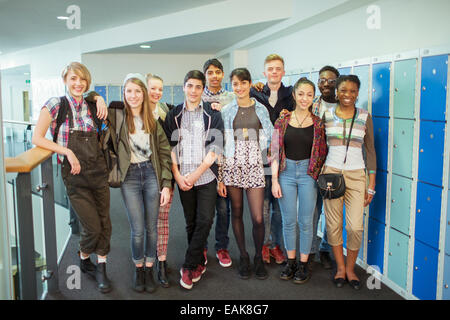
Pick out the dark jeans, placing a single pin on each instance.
(223, 216)
(198, 206)
(272, 218)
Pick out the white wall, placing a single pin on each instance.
(112, 68)
(12, 96)
(405, 25)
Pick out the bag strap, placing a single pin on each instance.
(64, 109)
(349, 135)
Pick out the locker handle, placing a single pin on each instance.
(395, 146)
(416, 268)
(418, 211)
(446, 286)
(393, 200)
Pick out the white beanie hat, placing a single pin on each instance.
(137, 76)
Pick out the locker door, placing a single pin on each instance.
(167, 95)
(375, 243)
(433, 88)
(178, 95)
(363, 74)
(447, 233)
(431, 152)
(381, 137)
(101, 90)
(405, 88)
(345, 71)
(402, 154)
(303, 75)
(400, 203)
(398, 257)
(378, 205)
(380, 89)
(315, 79)
(425, 271)
(446, 283)
(114, 94)
(428, 214)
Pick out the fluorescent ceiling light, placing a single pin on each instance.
(62, 18)
(145, 46)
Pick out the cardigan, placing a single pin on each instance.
(319, 148)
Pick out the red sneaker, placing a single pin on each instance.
(277, 254)
(265, 254)
(224, 258)
(197, 273)
(186, 278)
(205, 251)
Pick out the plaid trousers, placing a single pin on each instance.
(163, 227)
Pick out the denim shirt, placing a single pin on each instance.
(229, 113)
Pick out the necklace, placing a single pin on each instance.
(301, 123)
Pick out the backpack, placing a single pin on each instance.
(65, 111)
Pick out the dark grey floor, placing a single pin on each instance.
(216, 284)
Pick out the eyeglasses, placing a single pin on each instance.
(322, 81)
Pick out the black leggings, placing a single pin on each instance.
(255, 199)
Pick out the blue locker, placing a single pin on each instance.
(101, 90)
(167, 95)
(378, 205)
(114, 94)
(363, 74)
(402, 151)
(400, 213)
(345, 71)
(375, 243)
(446, 283)
(398, 257)
(315, 78)
(178, 95)
(428, 214)
(425, 271)
(303, 75)
(447, 233)
(380, 89)
(381, 136)
(431, 152)
(434, 88)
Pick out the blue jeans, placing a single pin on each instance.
(272, 219)
(222, 222)
(140, 193)
(319, 244)
(297, 204)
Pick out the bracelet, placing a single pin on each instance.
(371, 192)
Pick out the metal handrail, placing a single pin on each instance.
(20, 122)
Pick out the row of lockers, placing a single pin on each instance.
(171, 94)
(410, 173)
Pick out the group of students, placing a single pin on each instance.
(270, 140)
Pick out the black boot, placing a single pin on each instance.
(86, 266)
(139, 279)
(103, 283)
(162, 274)
(244, 267)
(303, 273)
(289, 269)
(150, 285)
(260, 270)
(325, 259)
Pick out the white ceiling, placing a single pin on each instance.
(29, 23)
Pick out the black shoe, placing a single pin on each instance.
(289, 269)
(103, 283)
(339, 282)
(302, 274)
(162, 274)
(311, 259)
(139, 279)
(325, 259)
(355, 284)
(86, 266)
(244, 267)
(150, 284)
(260, 269)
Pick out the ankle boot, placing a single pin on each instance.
(139, 279)
(103, 283)
(260, 270)
(162, 274)
(86, 266)
(150, 285)
(289, 269)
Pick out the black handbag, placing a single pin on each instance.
(332, 185)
